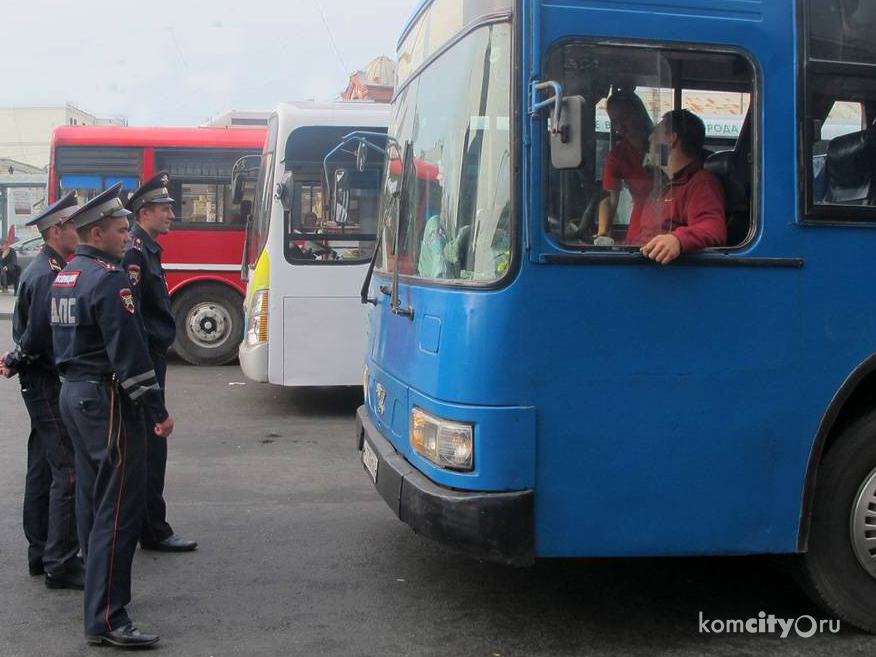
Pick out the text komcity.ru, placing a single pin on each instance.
(804, 626)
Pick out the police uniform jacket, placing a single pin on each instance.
(31, 328)
(142, 262)
(96, 331)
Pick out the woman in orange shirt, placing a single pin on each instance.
(625, 164)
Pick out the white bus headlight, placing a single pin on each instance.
(257, 327)
(447, 444)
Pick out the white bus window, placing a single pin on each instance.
(313, 234)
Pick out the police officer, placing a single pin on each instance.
(49, 489)
(108, 382)
(153, 211)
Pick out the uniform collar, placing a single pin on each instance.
(51, 254)
(148, 242)
(684, 174)
(91, 252)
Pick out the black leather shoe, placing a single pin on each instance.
(68, 580)
(36, 568)
(171, 544)
(124, 637)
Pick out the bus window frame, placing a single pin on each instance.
(179, 223)
(516, 113)
(289, 237)
(558, 253)
(821, 214)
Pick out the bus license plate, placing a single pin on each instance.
(369, 459)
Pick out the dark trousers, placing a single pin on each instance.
(155, 525)
(111, 479)
(49, 489)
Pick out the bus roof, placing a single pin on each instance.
(158, 137)
(292, 116)
(478, 8)
(321, 109)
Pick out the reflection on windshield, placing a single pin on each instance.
(457, 191)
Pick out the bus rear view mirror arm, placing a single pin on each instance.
(566, 134)
(367, 282)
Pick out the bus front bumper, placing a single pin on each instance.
(254, 361)
(496, 526)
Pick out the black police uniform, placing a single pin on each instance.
(142, 262)
(108, 381)
(49, 490)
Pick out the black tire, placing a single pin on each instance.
(830, 572)
(209, 323)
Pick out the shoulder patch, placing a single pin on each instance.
(127, 299)
(134, 274)
(106, 265)
(66, 279)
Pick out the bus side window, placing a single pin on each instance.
(613, 198)
(839, 137)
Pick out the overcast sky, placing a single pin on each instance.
(183, 62)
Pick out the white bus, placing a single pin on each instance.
(305, 324)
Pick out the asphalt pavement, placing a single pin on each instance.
(7, 305)
(300, 556)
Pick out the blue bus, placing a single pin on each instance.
(532, 391)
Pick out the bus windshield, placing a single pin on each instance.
(259, 221)
(456, 214)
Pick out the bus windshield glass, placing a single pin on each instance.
(313, 235)
(259, 221)
(454, 220)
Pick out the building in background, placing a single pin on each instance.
(375, 82)
(23, 193)
(26, 132)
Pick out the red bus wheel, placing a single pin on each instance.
(209, 324)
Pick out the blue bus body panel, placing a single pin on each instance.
(672, 409)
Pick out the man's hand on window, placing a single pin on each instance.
(663, 249)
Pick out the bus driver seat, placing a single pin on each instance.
(850, 166)
(733, 170)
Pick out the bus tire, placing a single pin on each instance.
(840, 537)
(209, 323)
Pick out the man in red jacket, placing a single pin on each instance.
(688, 215)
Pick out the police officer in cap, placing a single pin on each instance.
(108, 383)
(49, 489)
(153, 211)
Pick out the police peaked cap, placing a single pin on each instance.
(153, 190)
(105, 204)
(56, 213)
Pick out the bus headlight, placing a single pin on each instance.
(257, 327)
(446, 444)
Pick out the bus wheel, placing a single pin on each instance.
(839, 570)
(209, 324)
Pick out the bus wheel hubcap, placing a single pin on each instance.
(208, 324)
(863, 525)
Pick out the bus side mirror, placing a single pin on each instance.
(340, 201)
(567, 137)
(361, 156)
(283, 191)
(237, 182)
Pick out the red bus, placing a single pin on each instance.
(203, 252)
